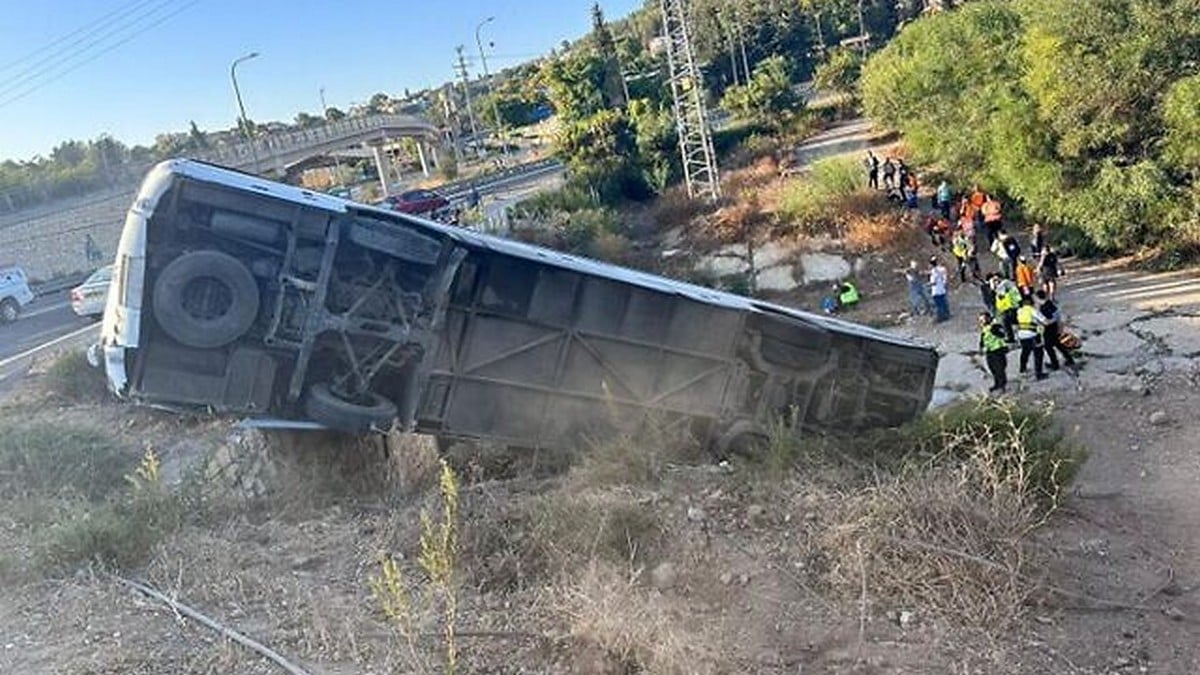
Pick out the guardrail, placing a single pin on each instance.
(59, 283)
(462, 188)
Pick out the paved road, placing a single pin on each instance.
(46, 318)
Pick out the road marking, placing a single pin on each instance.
(33, 351)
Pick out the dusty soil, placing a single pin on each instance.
(702, 569)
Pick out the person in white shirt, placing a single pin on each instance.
(937, 289)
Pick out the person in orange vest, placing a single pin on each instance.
(1025, 277)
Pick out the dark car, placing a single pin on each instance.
(416, 201)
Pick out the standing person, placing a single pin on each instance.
(1049, 270)
(1030, 338)
(959, 247)
(902, 175)
(872, 163)
(1012, 249)
(993, 217)
(889, 173)
(1008, 298)
(987, 293)
(918, 292)
(997, 250)
(1050, 317)
(1037, 242)
(938, 289)
(945, 194)
(995, 351)
(1024, 277)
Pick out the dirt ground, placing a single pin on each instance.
(701, 570)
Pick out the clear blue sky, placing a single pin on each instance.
(177, 71)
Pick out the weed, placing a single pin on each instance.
(438, 559)
(72, 379)
(119, 531)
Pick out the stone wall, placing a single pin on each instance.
(51, 241)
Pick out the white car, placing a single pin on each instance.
(14, 293)
(88, 299)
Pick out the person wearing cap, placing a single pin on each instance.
(938, 283)
(1025, 277)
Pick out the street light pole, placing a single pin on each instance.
(487, 83)
(325, 119)
(237, 92)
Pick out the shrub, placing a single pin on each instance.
(43, 459)
(71, 378)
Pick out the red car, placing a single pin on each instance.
(416, 201)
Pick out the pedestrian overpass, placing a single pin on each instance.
(275, 154)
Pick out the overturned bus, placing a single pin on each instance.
(235, 294)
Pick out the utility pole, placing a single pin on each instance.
(466, 82)
(862, 31)
(691, 118)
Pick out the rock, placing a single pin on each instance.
(771, 254)
(1181, 334)
(755, 511)
(860, 265)
(743, 578)
(906, 618)
(663, 576)
(696, 514)
(820, 267)
(776, 279)
(1159, 418)
(1135, 447)
(724, 265)
(727, 578)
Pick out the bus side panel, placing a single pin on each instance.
(541, 356)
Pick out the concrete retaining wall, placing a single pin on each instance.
(53, 242)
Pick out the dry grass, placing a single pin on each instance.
(674, 209)
(945, 529)
(71, 379)
(891, 229)
(633, 629)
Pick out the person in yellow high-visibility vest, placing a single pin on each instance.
(1029, 335)
(995, 351)
(847, 295)
(1008, 299)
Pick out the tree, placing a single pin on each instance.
(197, 140)
(575, 83)
(606, 49)
(768, 97)
(307, 121)
(334, 114)
(379, 103)
(1080, 109)
(601, 154)
(839, 72)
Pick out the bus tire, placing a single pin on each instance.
(209, 316)
(742, 439)
(324, 406)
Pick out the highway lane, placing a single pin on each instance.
(43, 320)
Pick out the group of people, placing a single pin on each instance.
(1020, 309)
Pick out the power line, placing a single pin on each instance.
(91, 25)
(82, 43)
(92, 57)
